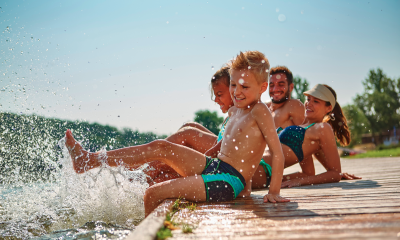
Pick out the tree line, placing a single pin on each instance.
(29, 149)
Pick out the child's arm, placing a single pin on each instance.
(213, 152)
(266, 124)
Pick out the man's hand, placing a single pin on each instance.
(291, 183)
(348, 176)
(273, 198)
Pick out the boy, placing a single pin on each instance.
(231, 163)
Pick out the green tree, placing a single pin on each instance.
(209, 120)
(358, 123)
(380, 101)
(300, 86)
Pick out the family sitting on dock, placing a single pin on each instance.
(198, 166)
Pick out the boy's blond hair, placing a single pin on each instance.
(254, 61)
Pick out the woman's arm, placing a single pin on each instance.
(332, 162)
(307, 167)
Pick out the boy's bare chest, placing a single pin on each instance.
(242, 127)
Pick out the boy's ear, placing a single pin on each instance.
(264, 87)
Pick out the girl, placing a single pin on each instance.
(323, 121)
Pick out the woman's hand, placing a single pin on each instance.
(348, 176)
(273, 198)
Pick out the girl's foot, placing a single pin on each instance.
(82, 160)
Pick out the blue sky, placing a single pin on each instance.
(147, 65)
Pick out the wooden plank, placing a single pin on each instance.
(148, 228)
(358, 209)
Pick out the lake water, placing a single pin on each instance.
(104, 203)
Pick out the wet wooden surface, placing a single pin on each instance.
(368, 208)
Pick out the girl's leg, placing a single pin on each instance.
(183, 160)
(190, 188)
(194, 138)
(196, 125)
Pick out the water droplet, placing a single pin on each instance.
(263, 61)
(281, 18)
(278, 76)
(234, 140)
(312, 142)
(247, 136)
(241, 81)
(242, 160)
(236, 148)
(241, 170)
(253, 166)
(251, 151)
(249, 67)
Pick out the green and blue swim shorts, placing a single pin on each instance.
(221, 180)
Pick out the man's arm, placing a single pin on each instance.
(296, 112)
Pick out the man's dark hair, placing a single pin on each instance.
(284, 70)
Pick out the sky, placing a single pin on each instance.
(147, 65)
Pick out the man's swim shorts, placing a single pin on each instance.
(221, 180)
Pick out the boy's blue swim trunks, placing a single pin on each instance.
(221, 180)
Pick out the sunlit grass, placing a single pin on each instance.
(393, 152)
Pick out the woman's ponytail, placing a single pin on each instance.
(338, 122)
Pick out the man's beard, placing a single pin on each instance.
(285, 98)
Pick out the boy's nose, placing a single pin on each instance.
(237, 90)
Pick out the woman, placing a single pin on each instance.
(324, 120)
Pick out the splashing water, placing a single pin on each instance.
(103, 203)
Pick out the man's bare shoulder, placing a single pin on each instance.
(268, 104)
(294, 103)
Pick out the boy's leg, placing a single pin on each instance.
(183, 160)
(190, 188)
(194, 138)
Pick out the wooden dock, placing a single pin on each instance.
(353, 209)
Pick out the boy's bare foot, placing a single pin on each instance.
(82, 160)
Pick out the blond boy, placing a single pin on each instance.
(223, 175)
